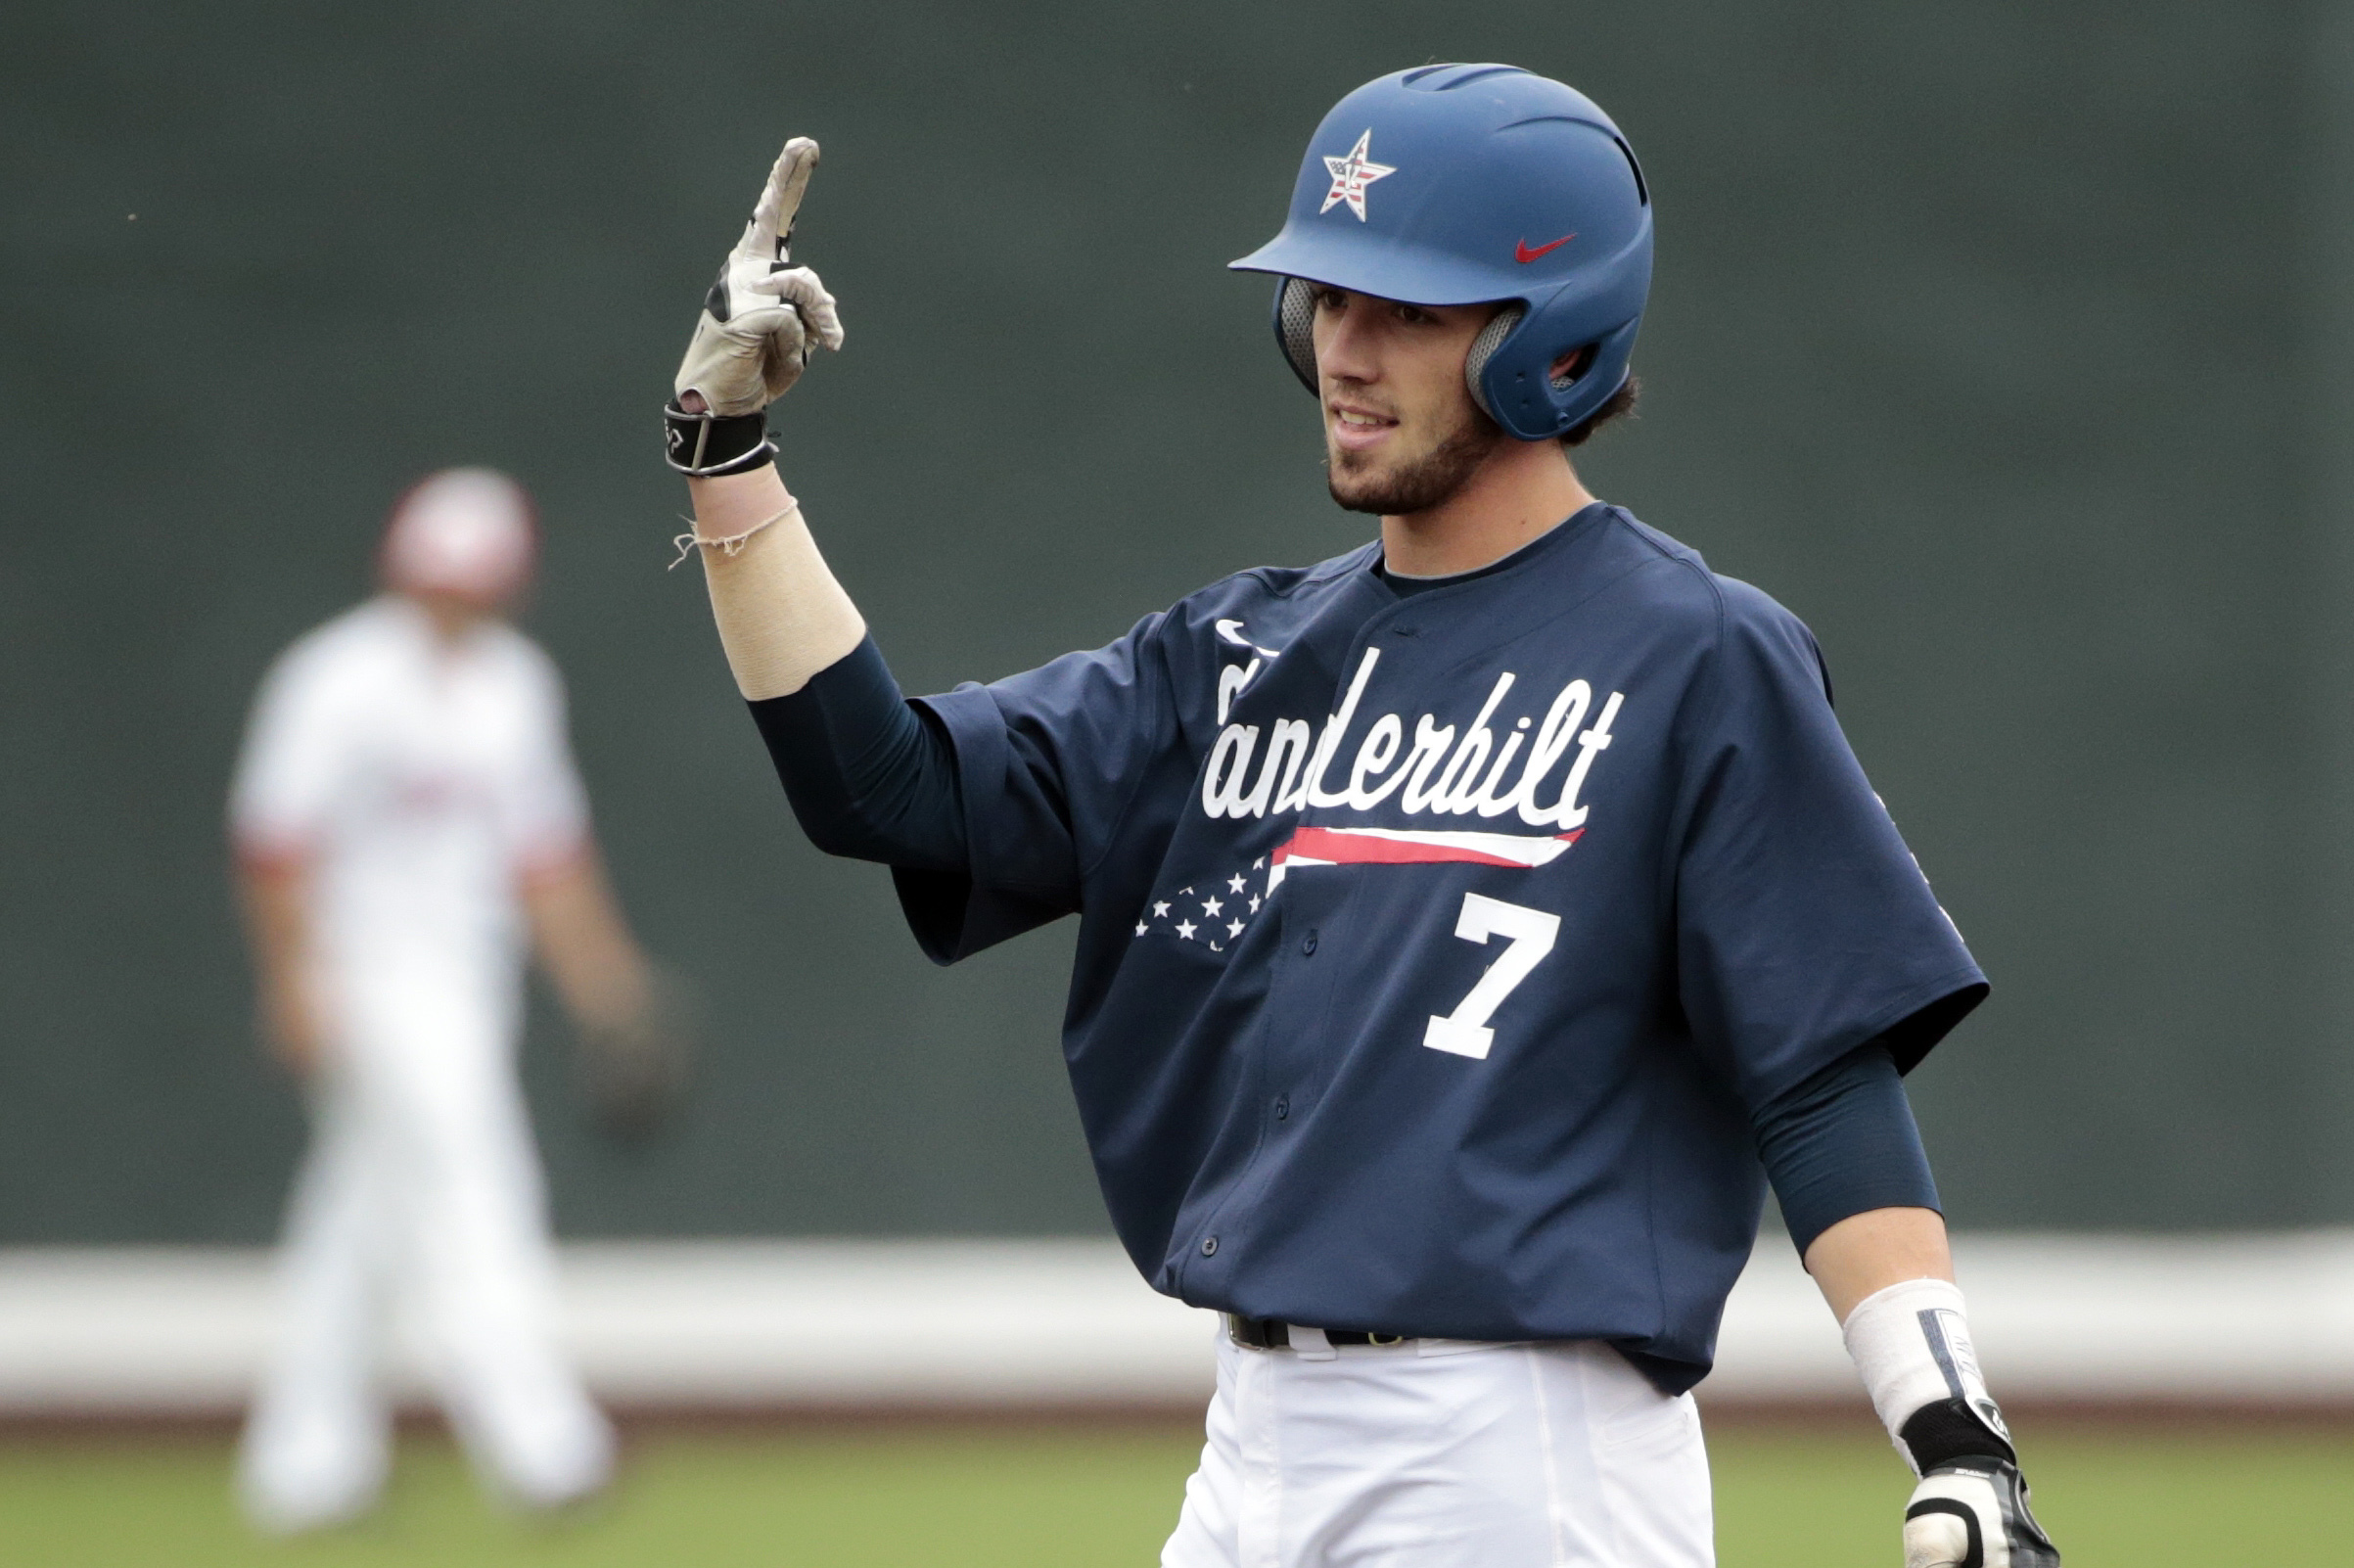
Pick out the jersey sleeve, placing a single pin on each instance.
(543, 808)
(1046, 765)
(294, 761)
(1805, 927)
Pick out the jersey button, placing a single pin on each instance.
(1209, 1246)
(1282, 1106)
(1308, 944)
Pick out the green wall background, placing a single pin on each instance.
(1989, 337)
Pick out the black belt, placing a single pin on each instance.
(1273, 1333)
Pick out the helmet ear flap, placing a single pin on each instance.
(1295, 327)
(1483, 348)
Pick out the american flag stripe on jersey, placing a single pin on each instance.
(1322, 846)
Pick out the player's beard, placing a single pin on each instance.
(1420, 483)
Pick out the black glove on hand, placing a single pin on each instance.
(634, 1070)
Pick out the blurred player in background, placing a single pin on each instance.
(406, 811)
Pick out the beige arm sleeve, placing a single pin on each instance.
(782, 616)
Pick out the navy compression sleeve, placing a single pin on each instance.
(1844, 1142)
(870, 776)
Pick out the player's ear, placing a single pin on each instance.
(1571, 365)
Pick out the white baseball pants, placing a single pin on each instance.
(421, 1190)
(1438, 1454)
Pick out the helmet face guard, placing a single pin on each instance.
(1452, 185)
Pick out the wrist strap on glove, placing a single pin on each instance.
(1950, 1431)
(707, 445)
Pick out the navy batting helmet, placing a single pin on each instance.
(1465, 184)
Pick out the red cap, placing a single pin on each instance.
(470, 532)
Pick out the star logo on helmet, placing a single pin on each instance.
(1351, 176)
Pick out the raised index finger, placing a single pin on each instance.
(772, 218)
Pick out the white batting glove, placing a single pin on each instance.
(760, 322)
(1974, 1513)
(1911, 1344)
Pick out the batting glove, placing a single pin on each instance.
(1973, 1513)
(760, 322)
(1911, 1344)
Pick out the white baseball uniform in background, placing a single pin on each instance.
(420, 781)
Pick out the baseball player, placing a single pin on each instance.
(1470, 925)
(404, 812)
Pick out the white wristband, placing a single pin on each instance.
(1911, 1344)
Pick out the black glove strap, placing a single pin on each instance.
(1949, 1430)
(706, 446)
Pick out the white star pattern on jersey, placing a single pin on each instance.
(1351, 175)
(1223, 917)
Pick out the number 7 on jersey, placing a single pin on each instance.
(1528, 934)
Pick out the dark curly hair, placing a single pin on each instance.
(1621, 401)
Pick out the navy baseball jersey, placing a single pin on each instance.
(1434, 948)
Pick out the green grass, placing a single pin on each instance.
(1042, 1498)
(2213, 1500)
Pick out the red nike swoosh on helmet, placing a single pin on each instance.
(1523, 252)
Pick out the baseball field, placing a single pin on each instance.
(1047, 1497)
